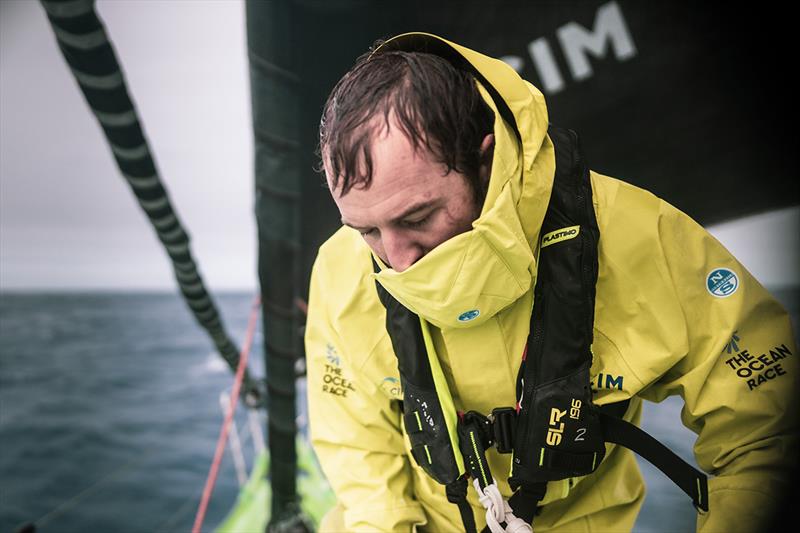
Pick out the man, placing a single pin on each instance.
(444, 171)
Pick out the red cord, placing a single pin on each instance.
(226, 425)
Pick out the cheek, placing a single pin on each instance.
(453, 222)
(461, 214)
(375, 244)
(462, 207)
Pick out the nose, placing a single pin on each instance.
(400, 252)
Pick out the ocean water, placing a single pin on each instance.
(114, 399)
(109, 415)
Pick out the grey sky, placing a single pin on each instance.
(67, 218)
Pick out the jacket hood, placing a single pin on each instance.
(469, 278)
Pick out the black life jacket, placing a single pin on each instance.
(555, 431)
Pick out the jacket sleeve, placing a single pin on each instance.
(355, 430)
(738, 377)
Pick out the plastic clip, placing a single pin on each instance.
(504, 420)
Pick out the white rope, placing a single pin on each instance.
(492, 501)
(498, 510)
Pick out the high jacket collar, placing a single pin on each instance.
(469, 278)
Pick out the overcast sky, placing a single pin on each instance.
(67, 218)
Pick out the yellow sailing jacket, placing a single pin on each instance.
(675, 313)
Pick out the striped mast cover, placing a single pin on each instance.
(276, 92)
(83, 41)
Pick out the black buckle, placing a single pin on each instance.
(497, 429)
(482, 424)
(504, 420)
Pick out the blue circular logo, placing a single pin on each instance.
(722, 282)
(466, 316)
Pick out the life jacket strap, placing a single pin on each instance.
(475, 437)
(552, 458)
(692, 481)
(525, 501)
(457, 494)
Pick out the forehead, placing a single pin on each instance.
(400, 174)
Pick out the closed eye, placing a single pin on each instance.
(418, 223)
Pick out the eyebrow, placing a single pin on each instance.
(413, 209)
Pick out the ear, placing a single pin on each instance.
(487, 153)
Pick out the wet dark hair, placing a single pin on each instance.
(436, 106)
